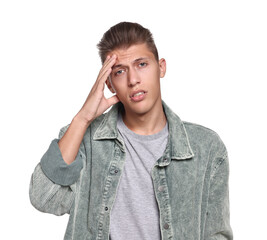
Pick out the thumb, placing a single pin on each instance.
(113, 100)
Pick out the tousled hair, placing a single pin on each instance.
(124, 35)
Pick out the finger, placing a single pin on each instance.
(99, 85)
(101, 72)
(102, 80)
(113, 100)
(108, 59)
(104, 73)
(108, 64)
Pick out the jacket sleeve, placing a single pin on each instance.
(217, 225)
(53, 182)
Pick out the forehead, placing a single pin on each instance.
(127, 55)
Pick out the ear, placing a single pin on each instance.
(162, 67)
(109, 86)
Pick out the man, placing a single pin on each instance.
(137, 171)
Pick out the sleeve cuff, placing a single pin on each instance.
(57, 170)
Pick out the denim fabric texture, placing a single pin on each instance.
(190, 181)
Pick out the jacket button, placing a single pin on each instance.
(160, 188)
(106, 208)
(116, 171)
(166, 226)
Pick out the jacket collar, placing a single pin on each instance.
(178, 146)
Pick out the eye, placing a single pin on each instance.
(119, 72)
(142, 64)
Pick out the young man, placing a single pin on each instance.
(137, 171)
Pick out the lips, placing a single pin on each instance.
(138, 95)
(138, 92)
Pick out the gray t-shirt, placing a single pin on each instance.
(135, 213)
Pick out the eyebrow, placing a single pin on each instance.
(136, 60)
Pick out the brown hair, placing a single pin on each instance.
(124, 35)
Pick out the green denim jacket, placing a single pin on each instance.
(190, 181)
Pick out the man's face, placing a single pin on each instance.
(136, 78)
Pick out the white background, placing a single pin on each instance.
(216, 72)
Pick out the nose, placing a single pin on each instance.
(133, 78)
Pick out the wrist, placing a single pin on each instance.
(82, 120)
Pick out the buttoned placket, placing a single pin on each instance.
(158, 174)
(110, 190)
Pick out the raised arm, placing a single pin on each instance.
(54, 180)
(94, 106)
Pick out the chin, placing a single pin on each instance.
(140, 108)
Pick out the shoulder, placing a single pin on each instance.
(206, 144)
(205, 137)
(197, 129)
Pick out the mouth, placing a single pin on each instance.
(138, 96)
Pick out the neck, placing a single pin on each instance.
(147, 123)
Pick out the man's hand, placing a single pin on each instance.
(94, 106)
(96, 103)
